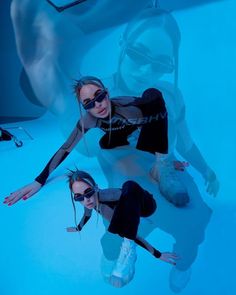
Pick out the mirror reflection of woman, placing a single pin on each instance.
(150, 58)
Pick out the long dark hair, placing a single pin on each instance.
(78, 175)
(78, 84)
(86, 80)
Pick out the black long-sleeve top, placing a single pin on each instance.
(126, 115)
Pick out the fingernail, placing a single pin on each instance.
(24, 198)
(9, 204)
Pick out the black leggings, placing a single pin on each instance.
(135, 202)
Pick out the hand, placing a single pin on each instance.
(211, 182)
(23, 193)
(169, 257)
(180, 166)
(71, 229)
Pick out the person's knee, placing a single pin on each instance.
(131, 186)
(153, 94)
(180, 199)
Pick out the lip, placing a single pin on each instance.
(90, 205)
(103, 111)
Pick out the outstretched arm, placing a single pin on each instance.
(165, 256)
(192, 154)
(83, 221)
(32, 188)
(189, 151)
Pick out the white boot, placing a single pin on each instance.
(170, 185)
(179, 279)
(125, 265)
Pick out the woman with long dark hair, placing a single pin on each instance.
(122, 208)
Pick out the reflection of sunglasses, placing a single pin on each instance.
(64, 7)
(162, 64)
(99, 98)
(88, 194)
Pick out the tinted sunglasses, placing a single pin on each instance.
(162, 64)
(99, 98)
(88, 194)
(66, 6)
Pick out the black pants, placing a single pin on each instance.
(153, 135)
(135, 202)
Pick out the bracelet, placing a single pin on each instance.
(78, 227)
(157, 253)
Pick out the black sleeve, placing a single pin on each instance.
(61, 154)
(143, 243)
(84, 219)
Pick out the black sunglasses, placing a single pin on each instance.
(162, 64)
(64, 7)
(88, 194)
(99, 98)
